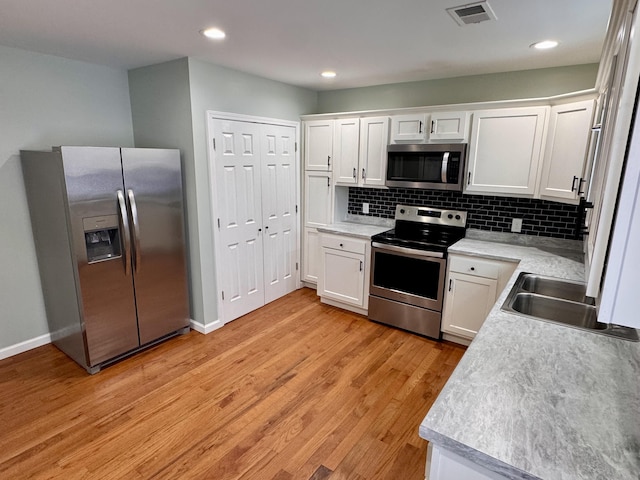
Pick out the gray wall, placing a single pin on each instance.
(161, 96)
(45, 101)
(161, 111)
(477, 88)
(221, 89)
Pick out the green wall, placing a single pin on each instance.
(477, 88)
(45, 101)
(169, 104)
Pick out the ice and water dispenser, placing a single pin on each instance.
(102, 238)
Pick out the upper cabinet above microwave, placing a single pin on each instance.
(436, 127)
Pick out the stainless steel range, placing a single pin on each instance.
(408, 265)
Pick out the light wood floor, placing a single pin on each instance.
(295, 390)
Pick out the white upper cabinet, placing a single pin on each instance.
(374, 137)
(317, 198)
(505, 150)
(449, 126)
(345, 150)
(409, 128)
(360, 150)
(318, 145)
(563, 172)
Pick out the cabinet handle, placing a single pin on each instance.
(328, 182)
(580, 191)
(433, 126)
(450, 283)
(328, 160)
(363, 174)
(360, 265)
(469, 179)
(573, 183)
(420, 127)
(354, 172)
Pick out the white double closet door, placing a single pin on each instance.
(254, 181)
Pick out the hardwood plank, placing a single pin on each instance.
(294, 390)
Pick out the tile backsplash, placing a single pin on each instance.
(540, 217)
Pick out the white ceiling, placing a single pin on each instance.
(368, 42)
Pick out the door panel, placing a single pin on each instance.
(153, 182)
(93, 176)
(238, 193)
(278, 209)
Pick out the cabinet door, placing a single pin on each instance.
(408, 127)
(566, 151)
(342, 276)
(447, 126)
(345, 151)
(311, 255)
(318, 145)
(317, 198)
(505, 150)
(374, 137)
(468, 302)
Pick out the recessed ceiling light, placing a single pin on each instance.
(328, 74)
(214, 33)
(544, 45)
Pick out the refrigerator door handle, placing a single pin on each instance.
(136, 229)
(126, 233)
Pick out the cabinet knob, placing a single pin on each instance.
(473, 269)
(341, 245)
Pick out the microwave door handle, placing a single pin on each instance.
(445, 167)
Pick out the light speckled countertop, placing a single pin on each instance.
(358, 230)
(536, 400)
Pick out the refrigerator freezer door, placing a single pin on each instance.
(153, 182)
(93, 177)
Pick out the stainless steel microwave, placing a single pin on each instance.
(428, 166)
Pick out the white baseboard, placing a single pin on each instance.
(208, 328)
(21, 347)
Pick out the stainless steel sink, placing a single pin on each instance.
(554, 287)
(560, 301)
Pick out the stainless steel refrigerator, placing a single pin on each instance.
(109, 234)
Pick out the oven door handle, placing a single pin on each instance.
(445, 167)
(409, 251)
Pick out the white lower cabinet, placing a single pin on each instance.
(445, 465)
(311, 255)
(344, 272)
(473, 285)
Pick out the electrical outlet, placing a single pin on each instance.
(516, 225)
(365, 208)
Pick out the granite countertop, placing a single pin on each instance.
(537, 400)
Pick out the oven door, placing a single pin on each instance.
(407, 275)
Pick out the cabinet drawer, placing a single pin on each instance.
(474, 266)
(343, 243)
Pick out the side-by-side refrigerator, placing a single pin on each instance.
(109, 234)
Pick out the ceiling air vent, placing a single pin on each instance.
(472, 13)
